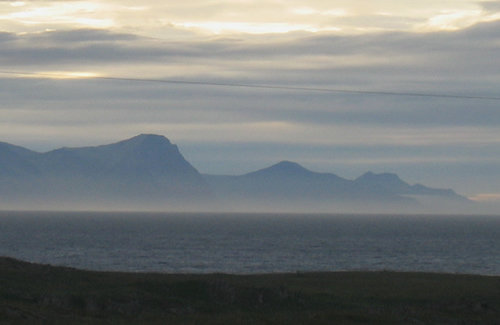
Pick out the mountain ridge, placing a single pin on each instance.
(149, 171)
(289, 185)
(146, 171)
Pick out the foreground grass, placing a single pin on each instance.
(34, 294)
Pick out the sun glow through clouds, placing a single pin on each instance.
(17, 4)
(454, 19)
(245, 28)
(66, 75)
(89, 14)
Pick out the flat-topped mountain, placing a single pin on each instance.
(144, 170)
(144, 158)
(149, 172)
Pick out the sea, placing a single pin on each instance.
(239, 243)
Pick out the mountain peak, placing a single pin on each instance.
(289, 166)
(383, 177)
(388, 181)
(283, 168)
(6, 147)
(149, 139)
(143, 143)
(146, 136)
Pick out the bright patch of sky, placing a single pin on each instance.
(258, 17)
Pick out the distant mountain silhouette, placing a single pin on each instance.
(391, 183)
(290, 181)
(16, 161)
(146, 169)
(285, 169)
(148, 172)
(148, 159)
(289, 185)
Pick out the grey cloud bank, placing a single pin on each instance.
(440, 141)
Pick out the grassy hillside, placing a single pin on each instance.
(33, 294)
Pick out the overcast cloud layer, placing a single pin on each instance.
(433, 47)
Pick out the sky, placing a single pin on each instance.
(337, 86)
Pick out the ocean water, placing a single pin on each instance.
(253, 243)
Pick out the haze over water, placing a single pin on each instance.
(253, 243)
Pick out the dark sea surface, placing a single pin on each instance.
(253, 243)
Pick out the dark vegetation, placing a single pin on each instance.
(34, 294)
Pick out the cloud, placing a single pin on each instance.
(492, 6)
(248, 128)
(18, 3)
(401, 56)
(83, 47)
(442, 63)
(487, 197)
(254, 16)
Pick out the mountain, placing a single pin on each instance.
(391, 183)
(288, 185)
(148, 159)
(285, 182)
(288, 182)
(147, 170)
(284, 169)
(15, 161)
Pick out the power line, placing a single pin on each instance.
(238, 85)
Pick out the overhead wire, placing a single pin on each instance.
(257, 86)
